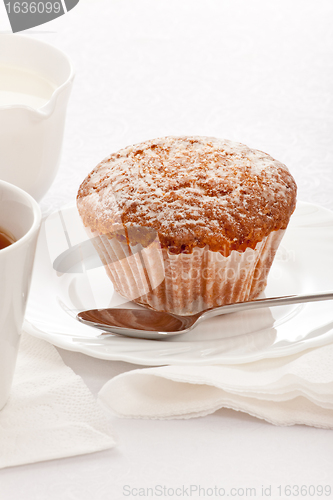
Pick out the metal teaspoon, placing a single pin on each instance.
(146, 323)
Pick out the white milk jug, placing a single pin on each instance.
(35, 84)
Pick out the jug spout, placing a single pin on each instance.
(58, 100)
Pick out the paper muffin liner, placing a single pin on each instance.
(185, 284)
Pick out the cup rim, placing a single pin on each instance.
(36, 211)
(70, 78)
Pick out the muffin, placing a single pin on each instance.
(184, 224)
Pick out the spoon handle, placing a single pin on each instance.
(267, 302)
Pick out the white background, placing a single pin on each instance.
(254, 71)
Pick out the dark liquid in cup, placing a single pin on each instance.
(5, 239)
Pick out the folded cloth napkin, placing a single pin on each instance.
(50, 413)
(296, 389)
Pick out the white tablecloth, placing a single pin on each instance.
(254, 71)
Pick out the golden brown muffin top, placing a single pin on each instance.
(194, 191)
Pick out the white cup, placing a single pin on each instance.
(20, 216)
(31, 135)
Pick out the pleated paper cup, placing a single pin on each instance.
(185, 284)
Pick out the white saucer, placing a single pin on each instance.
(304, 264)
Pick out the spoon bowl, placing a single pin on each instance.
(147, 323)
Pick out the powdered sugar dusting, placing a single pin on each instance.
(195, 191)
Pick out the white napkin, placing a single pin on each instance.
(50, 413)
(284, 391)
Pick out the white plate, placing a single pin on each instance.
(304, 264)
